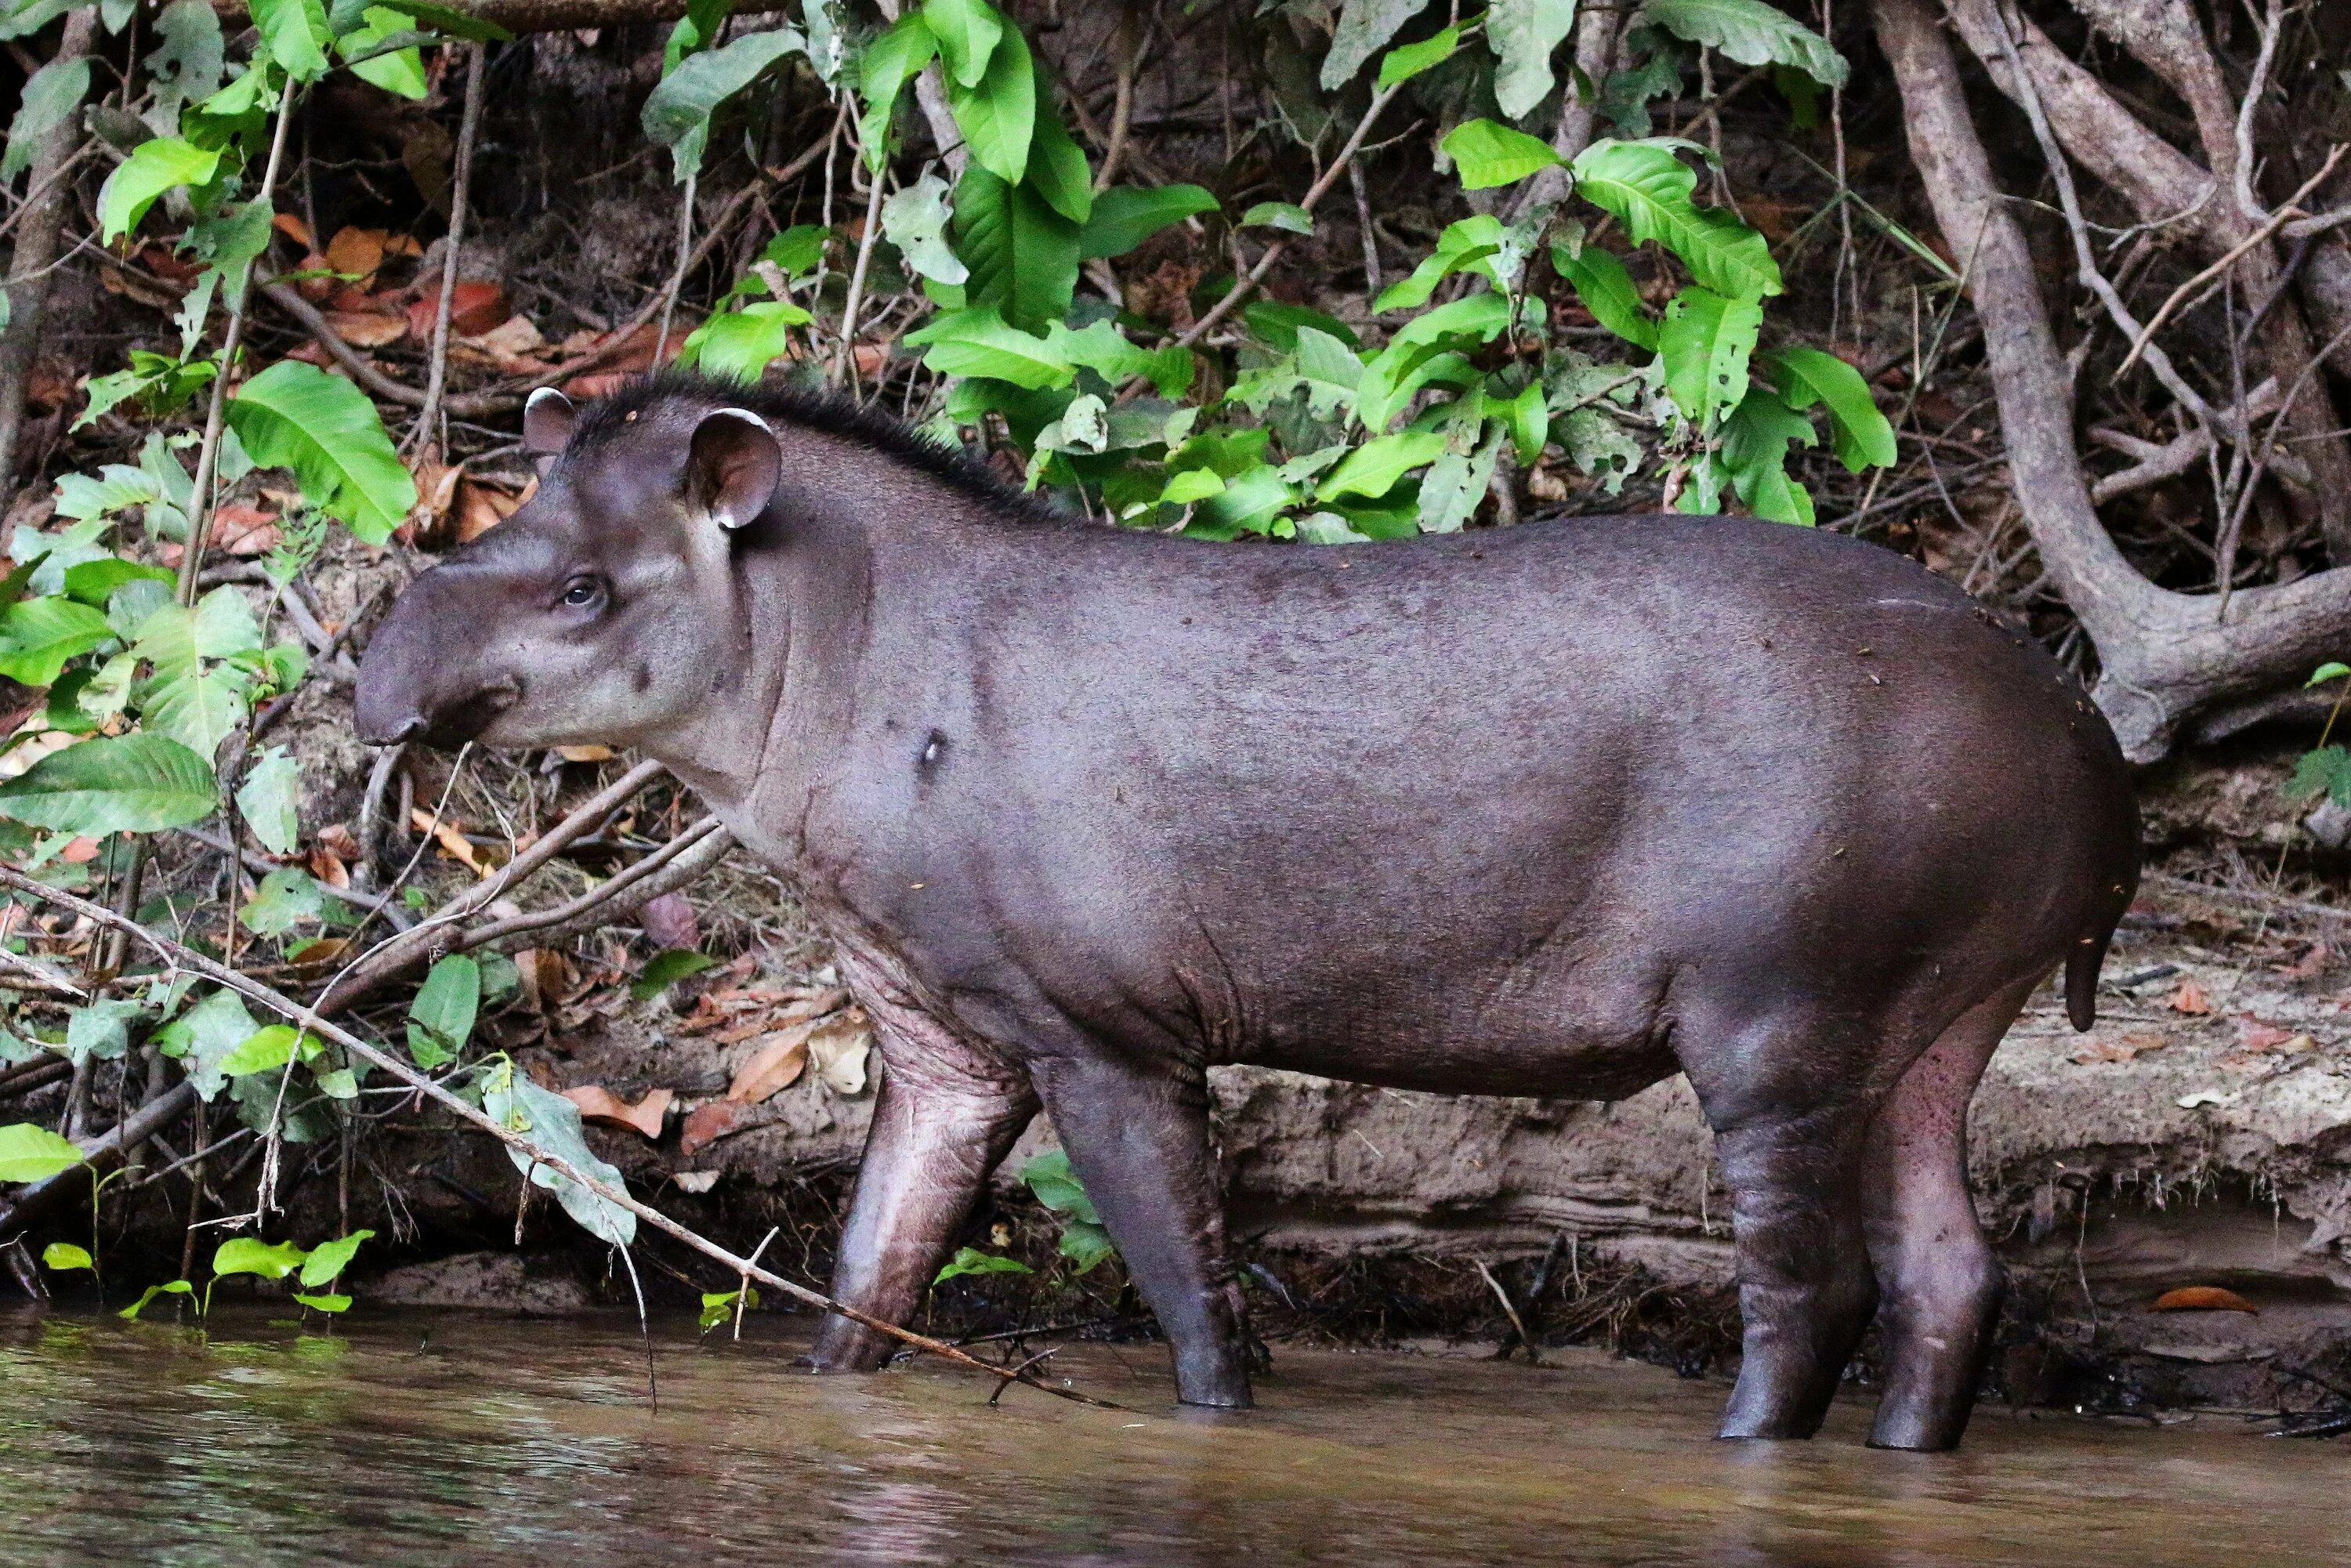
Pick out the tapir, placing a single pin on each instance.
(1555, 809)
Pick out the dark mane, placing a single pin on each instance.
(826, 412)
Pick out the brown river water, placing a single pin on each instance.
(415, 1438)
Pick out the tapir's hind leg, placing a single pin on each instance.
(1938, 1283)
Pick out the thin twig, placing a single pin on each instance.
(468, 129)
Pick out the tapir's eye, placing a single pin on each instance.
(582, 591)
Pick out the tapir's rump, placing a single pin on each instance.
(1555, 809)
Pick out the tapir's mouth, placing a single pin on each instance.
(451, 725)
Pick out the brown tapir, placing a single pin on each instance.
(1556, 809)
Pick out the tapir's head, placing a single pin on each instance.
(604, 610)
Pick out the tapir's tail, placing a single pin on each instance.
(2089, 954)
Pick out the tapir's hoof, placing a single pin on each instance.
(1905, 1434)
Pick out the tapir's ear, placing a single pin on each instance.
(733, 466)
(547, 421)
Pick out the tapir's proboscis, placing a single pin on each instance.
(1555, 809)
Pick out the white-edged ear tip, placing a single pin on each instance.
(542, 398)
(744, 414)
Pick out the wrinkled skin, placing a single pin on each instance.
(1558, 810)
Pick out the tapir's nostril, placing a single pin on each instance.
(393, 734)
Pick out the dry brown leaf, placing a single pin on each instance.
(78, 851)
(450, 836)
(339, 840)
(598, 1103)
(590, 754)
(368, 328)
(357, 251)
(240, 530)
(2309, 966)
(329, 867)
(705, 1125)
(324, 950)
(837, 1050)
(516, 336)
(545, 976)
(474, 309)
(670, 921)
(482, 504)
(2203, 1298)
(2094, 1051)
(295, 229)
(775, 1067)
(2191, 999)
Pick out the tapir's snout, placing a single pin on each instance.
(417, 682)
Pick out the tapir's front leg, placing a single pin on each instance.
(943, 1120)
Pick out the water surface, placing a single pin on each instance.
(431, 1439)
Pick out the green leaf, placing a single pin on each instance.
(196, 696)
(328, 1260)
(65, 1255)
(449, 19)
(288, 897)
(266, 800)
(2326, 673)
(1023, 256)
(296, 416)
(1403, 65)
(263, 1260)
(740, 344)
(1528, 417)
(1288, 217)
(175, 1288)
(93, 582)
(2325, 771)
(166, 163)
(552, 1122)
(1488, 154)
(100, 1030)
(972, 1260)
(1126, 215)
(186, 63)
(1372, 468)
(1050, 1179)
(977, 342)
(717, 1306)
(441, 1019)
(1648, 190)
(295, 34)
(29, 1152)
(1191, 485)
(1607, 291)
(1365, 27)
(48, 101)
(1706, 344)
(1086, 1243)
(1749, 31)
(998, 114)
(1755, 450)
(324, 1304)
(891, 61)
(265, 1050)
(1058, 170)
(1859, 434)
(677, 112)
(665, 969)
(399, 71)
(914, 219)
(967, 32)
(112, 784)
(1468, 246)
(38, 635)
(1523, 33)
(203, 1037)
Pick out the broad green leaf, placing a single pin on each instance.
(262, 1260)
(288, 897)
(717, 1306)
(1288, 217)
(1365, 27)
(266, 1050)
(1056, 1186)
(202, 1038)
(1393, 375)
(1607, 291)
(827, 44)
(1528, 417)
(553, 1121)
(1103, 349)
(1523, 33)
(100, 1030)
(890, 62)
(914, 219)
(1058, 170)
(296, 416)
(1372, 468)
(1468, 246)
(1755, 451)
(29, 1152)
(267, 798)
(1456, 482)
(972, 1260)
(135, 783)
(38, 635)
(1086, 1243)
(175, 1288)
(1750, 31)
(450, 19)
(977, 342)
(186, 63)
(1858, 433)
(93, 582)
(441, 1019)
(1482, 316)
(1126, 215)
(399, 71)
(2330, 671)
(740, 344)
(336, 1083)
(1488, 154)
(65, 1255)
(48, 101)
(1190, 485)
(295, 34)
(196, 696)
(1023, 254)
(967, 32)
(677, 112)
(1276, 323)
(163, 165)
(998, 114)
(1403, 65)
(1648, 190)
(665, 969)
(329, 1259)
(334, 1303)
(1330, 369)
(1706, 344)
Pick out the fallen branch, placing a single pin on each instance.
(44, 214)
(187, 958)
